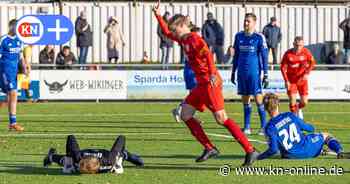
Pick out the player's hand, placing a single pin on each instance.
(233, 78)
(213, 80)
(287, 85)
(156, 8)
(265, 81)
(305, 77)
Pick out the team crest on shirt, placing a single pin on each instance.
(302, 57)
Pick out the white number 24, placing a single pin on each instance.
(289, 136)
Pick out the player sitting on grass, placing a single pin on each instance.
(285, 134)
(92, 161)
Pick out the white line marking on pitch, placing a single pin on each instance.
(230, 137)
(112, 134)
(135, 114)
(79, 134)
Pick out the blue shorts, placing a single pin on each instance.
(312, 148)
(8, 78)
(314, 145)
(249, 84)
(190, 78)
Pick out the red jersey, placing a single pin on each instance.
(199, 56)
(295, 65)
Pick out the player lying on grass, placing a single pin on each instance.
(208, 91)
(285, 134)
(91, 161)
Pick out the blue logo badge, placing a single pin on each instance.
(44, 29)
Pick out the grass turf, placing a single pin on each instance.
(167, 147)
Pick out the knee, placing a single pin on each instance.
(326, 136)
(220, 118)
(185, 115)
(305, 102)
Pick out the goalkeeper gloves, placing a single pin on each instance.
(233, 78)
(265, 81)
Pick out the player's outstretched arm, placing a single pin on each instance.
(273, 146)
(163, 25)
(304, 126)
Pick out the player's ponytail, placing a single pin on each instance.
(89, 165)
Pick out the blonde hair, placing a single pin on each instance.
(89, 165)
(177, 20)
(271, 102)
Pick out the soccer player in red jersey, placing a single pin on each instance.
(208, 92)
(296, 66)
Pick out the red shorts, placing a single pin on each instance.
(301, 87)
(206, 96)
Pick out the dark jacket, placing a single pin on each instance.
(333, 59)
(84, 37)
(273, 35)
(65, 61)
(164, 41)
(46, 58)
(345, 26)
(213, 33)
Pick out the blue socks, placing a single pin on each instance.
(247, 113)
(262, 115)
(334, 145)
(12, 119)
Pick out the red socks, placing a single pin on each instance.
(198, 132)
(237, 133)
(301, 105)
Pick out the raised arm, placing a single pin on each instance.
(163, 25)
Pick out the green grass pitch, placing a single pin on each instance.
(167, 147)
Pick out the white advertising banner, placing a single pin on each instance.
(83, 85)
(157, 85)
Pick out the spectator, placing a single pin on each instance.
(345, 26)
(47, 56)
(65, 59)
(166, 44)
(228, 57)
(273, 37)
(115, 39)
(213, 34)
(145, 58)
(84, 36)
(335, 57)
